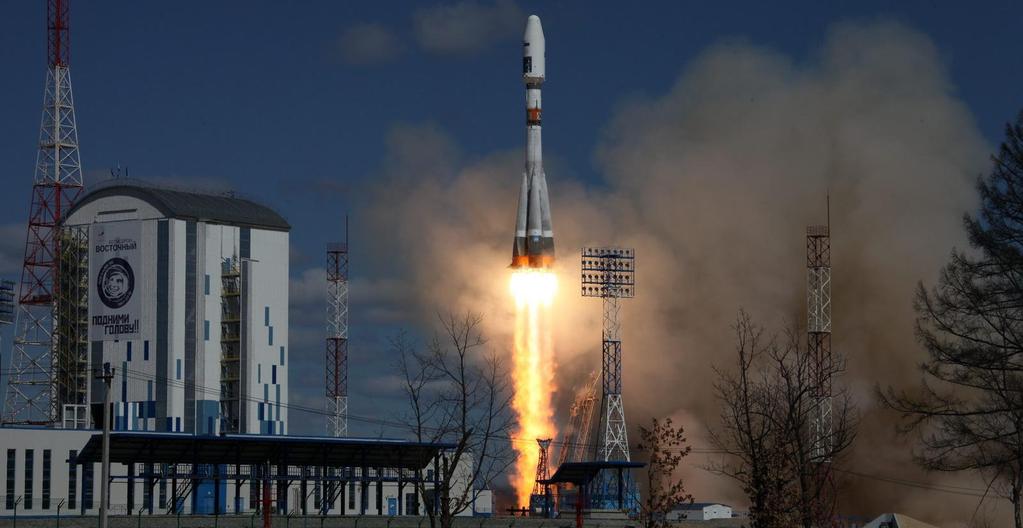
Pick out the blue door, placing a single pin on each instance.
(392, 506)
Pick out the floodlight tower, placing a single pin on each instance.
(337, 338)
(609, 273)
(57, 183)
(818, 338)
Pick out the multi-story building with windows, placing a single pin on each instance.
(187, 298)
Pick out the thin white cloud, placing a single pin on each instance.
(467, 27)
(368, 43)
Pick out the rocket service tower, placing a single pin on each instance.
(534, 237)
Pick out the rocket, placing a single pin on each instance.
(534, 237)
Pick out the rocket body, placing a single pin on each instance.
(534, 237)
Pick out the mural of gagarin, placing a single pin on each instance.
(115, 283)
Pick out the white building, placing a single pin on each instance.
(198, 332)
(700, 511)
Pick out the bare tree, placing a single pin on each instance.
(969, 408)
(768, 413)
(457, 393)
(665, 446)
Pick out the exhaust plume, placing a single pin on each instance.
(713, 183)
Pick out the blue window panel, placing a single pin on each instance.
(170, 424)
(266, 392)
(266, 316)
(152, 409)
(259, 373)
(282, 355)
(260, 411)
(145, 350)
(206, 330)
(274, 374)
(129, 350)
(177, 425)
(206, 284)
(178, 363)
(149, 390)
(270, 337)
(124, 381)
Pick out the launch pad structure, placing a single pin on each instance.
(610, 274)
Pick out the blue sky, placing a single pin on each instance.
(291, 103)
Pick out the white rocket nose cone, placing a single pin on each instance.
(534, 31)
(533, 50)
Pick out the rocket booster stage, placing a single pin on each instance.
(534, 237)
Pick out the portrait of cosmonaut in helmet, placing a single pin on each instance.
(115, 282)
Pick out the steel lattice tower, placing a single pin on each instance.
(337, 338)
(57, 183)
(609, 273)
(818, 338)
(542, 488)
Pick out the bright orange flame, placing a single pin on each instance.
(533, 372)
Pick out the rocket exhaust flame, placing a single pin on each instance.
(533, 371)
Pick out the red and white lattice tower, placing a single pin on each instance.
(57, 183)
(337, 338)
(818, 338)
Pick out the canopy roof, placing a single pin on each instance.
(184, 448)
(581, 473)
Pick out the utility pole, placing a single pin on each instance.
(104, 491)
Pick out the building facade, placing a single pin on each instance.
(186, 296)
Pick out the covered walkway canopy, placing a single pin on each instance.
(581, 473)
(170, 448)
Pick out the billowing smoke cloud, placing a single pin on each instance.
(713, 183)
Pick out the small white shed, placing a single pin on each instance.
(700, 511)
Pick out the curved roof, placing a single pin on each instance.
(189, 205)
